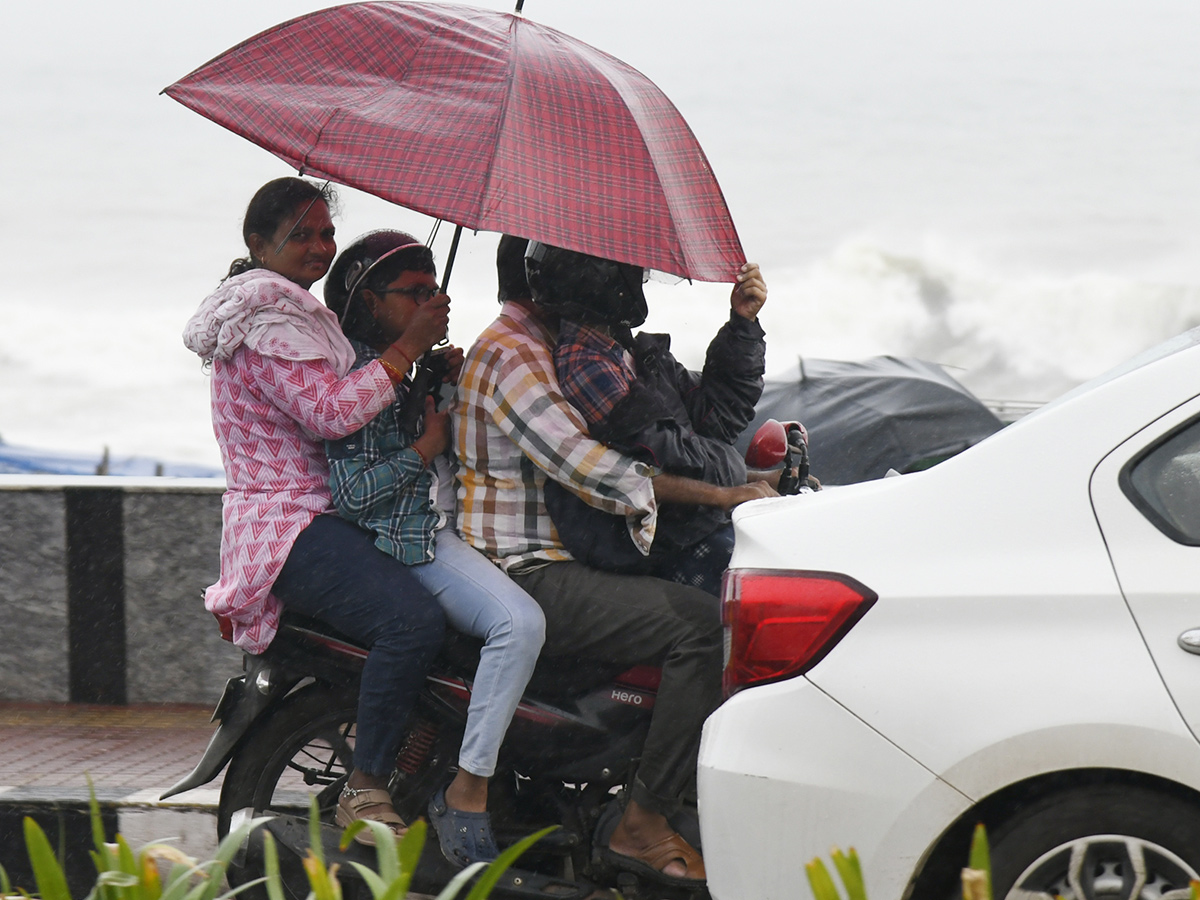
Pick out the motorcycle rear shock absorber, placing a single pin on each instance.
(420, 740)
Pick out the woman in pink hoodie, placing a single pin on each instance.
(281, 385)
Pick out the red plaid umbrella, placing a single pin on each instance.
(484, 119)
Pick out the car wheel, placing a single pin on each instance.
(1107, 842)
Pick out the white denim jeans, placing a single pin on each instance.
(480, 600)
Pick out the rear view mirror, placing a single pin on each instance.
(768, 447)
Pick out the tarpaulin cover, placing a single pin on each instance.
(868, 416)
(16, 460)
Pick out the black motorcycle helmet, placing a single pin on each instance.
(585, 288)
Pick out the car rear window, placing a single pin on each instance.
(1165, 484)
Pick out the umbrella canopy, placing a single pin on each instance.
(484, 119)
(866, 417)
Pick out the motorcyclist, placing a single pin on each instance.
(512, 432)
(400, 488)
(636, 398)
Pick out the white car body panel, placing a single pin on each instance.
(844, 785)
(1160, 578)
(1001, 646)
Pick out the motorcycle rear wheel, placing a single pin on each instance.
(304, 748)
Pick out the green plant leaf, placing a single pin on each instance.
(820, 881)
(387, 853)
(274, 883)
(179, 881)
(204, 872)
(151, 883)
(450, 891)
(212, 875)
(497, 867)
(980, 857)
(249, 885)
(104, 857)
(314, 830)
(349, 832)
(409, 851)
(115, 878)
(370, 877)
(232, 842)
(386, 860)
(125, 858)
(408, 854)
(5, 884)
(397, 890)
(850, 871)
(98, 836)
(321, 880)
(51, 883)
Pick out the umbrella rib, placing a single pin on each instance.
(678, 250)
(501, 120)
(304, 163)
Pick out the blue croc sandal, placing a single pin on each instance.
(465, 837)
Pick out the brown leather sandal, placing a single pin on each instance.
(650, 862)
(350, 808)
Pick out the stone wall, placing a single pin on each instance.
(100, 582)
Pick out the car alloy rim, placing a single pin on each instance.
(1106, 867)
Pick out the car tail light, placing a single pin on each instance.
(779, 624)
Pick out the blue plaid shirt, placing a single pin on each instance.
(379, 482)
(594, 371)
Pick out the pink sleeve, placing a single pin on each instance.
(311, 393)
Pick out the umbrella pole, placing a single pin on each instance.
(450, 258)
(428, 377)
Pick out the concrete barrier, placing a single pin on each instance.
(100, 581)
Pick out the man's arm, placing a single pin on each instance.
(527, 406)
(720, 400)
(676, 489)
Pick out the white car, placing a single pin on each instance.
(1010, 638)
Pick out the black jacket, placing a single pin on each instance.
(682, 422)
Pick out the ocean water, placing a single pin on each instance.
(1011, 189)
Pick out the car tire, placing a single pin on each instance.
(1089, 843)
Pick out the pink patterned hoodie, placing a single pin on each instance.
(281, 385)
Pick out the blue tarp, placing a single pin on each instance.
(36, 461)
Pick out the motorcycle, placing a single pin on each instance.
(286, 731)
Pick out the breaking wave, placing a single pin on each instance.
(1024, 338)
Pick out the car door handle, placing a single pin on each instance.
(1190, 640)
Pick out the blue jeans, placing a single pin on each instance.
(480, 600)
(336, 574)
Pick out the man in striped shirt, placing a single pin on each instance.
(512, 431)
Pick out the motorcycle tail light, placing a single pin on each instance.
(779, 624)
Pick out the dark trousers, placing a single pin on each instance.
(632, 620)
(336, 574)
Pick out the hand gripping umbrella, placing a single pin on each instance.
(483, 119)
